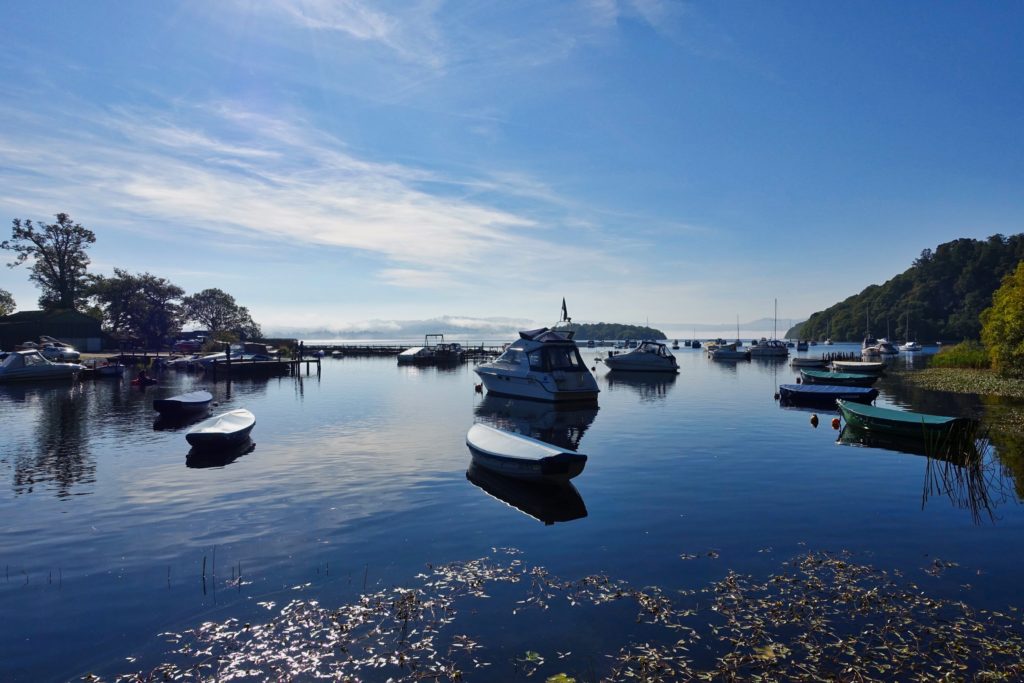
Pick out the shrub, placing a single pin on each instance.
(1002, 325)
(967, 354)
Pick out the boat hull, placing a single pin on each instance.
(222, 431)
(846, 379)
(862, 367)
(900, 424)
(824, 395)
(526, 386)
(520, 457)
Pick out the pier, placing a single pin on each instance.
(473, 352)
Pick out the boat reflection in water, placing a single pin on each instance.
(200, 458)
(961, 467)
(545, 502)
(650, 386)
(561, 425)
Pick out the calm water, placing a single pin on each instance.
(358, 479)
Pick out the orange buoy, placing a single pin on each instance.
(814, 421)
(835, 423)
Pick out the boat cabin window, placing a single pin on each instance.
(34, 359)
(511, 356)
(556, 358)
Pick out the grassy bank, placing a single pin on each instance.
(966, 381)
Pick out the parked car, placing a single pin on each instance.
(60, 354)
(189, 345)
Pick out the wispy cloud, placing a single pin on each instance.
(240, 174)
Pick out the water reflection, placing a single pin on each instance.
(960, 468)
(561, 425)
(545, 502)
(649, 386)
(203, 458)
(61, 456)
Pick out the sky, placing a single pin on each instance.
(343, 164)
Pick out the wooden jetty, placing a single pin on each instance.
(472, 352)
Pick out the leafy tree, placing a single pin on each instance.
(143, 305)
(1002, 325)
(7, 304)
(217, 311)
(59, 259)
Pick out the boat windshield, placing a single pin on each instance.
(656, 349)
(556, 358)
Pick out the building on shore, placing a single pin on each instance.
(78, 329)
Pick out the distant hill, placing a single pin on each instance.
(616, 331)
(944, 293)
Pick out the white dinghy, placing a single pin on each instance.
(222, 431)
(521, 457)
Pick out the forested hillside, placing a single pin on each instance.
(616, 331)
(943, 293)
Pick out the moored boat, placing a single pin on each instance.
(221, 431)
(521, 457)
(31, 366)
(729, 352)
(848, 379)
(769, 348)
(649, 356)
(858, 366)
(824, 394)
(911, 347)
(542, 364)
(183, 404)
(900, 423)
(808, 362)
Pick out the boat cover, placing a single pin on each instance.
(824, 391)
(902, 416)
(507, 444)
(822, 374)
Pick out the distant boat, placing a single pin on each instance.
(850, 379)
(222, 431)
(769, 348)
(900, 423)
(183, 404)
(521, 457)
(801, 345)
(824, 394)
(675, 344)
(416, 355)
(113, 370)
(729, 352)
(911, 347)
(649, 356)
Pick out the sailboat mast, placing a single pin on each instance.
(775, 325)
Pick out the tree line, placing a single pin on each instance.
(598, 331)
(140, 306)
(939, 298)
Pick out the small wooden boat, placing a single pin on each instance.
(900, 423)
(521, 457)
(799, 362)
(183, 404)
(222, 431)
(846, 379)
(824, 394)
(861, 366)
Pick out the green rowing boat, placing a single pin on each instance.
(899, 423)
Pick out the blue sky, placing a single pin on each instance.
(334, 163)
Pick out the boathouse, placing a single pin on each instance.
(78, 329)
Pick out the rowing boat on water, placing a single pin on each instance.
(824, 394)
(900, 423)
(861, 366)
(514, 455)
(849, 379)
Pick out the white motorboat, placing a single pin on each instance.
(911, 346)
(887, 348)
(29, 366)
(543, 365)
(729, 352)
(649, 356)
(769, 348)
(222, 431)
(416, 355)
(521, 457)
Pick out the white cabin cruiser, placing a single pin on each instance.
(28, 366)
(543, 365)
(911, 346)
(769, 348)
(649, 356)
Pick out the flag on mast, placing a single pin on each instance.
(565, 312)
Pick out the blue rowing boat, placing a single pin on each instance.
(824, 394)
